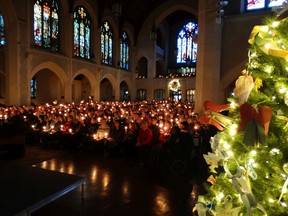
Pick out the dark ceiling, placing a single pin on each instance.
(137, 11)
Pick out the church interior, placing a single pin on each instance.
(69, 67)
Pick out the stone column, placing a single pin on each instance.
(209, 55)
(12, 66)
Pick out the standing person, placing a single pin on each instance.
(144, 141)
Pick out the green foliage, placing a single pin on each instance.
(262, 166)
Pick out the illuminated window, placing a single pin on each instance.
(2, 31)
(141, 94)
(186, 46)
(190, 93)
(261, 4)
(124, 51)
(33, 88)
(159, 94)
(82, 33)
(46, 24)
(106, 44)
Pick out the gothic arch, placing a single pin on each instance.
(59, 72)
(112, 80)
(91, 78)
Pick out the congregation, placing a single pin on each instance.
(140, 132)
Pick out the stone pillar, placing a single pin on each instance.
(68, 92)
(209, 55)
(117, 85)
(12, 66)
(151, 71)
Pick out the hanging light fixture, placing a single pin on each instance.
(116, 8)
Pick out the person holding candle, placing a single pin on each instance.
(115, 139)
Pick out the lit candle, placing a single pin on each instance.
(106, 135)
(70, 130)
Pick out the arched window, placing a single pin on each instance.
(82, 33)
(2, 31)
(186, 46)
(106, 44)
(46, 24)
(124, 51)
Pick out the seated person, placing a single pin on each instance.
(144, 141)
(103, 130)
(115, 139)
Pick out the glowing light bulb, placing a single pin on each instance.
(275, 23)
(267, 46)
(282, 90)
(227, 146)
(268, 69)
(275, 151)
(230, 153)
(251, 161)
(283, 204)
(233, 130)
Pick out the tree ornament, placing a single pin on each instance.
(213, 117)
(227, 209)
(244, 85)
(256, 121)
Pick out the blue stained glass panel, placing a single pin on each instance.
(186, 46)
(82, 37)
(106, 44)
(2, 31)
(124, 51)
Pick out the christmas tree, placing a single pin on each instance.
(249, 158)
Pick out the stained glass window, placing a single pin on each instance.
(33, 88)
(261, 4)
(186, 46)
(124, 51)
(82, 33)
(2, 31)
(106, 44)
(46, 24)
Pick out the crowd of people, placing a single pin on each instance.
(135, 131)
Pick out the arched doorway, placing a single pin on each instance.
(81, 88)
(124, 92)
(45, 87)
(106, 91)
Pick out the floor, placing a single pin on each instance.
(114, 187)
